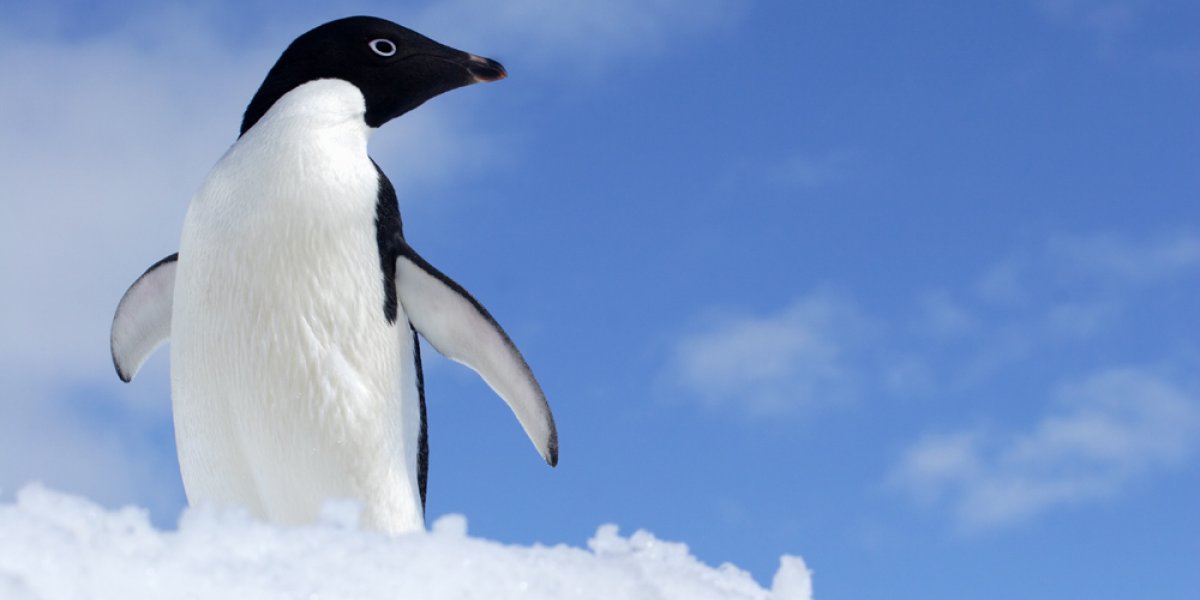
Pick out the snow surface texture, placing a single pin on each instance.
(53, 545)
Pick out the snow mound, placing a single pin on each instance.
(54, 545)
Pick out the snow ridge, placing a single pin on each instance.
(54, 545)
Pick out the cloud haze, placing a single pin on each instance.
(1102, 432)
(797, 358)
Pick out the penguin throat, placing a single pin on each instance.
(320, 104)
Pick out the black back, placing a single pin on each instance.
(389, 234)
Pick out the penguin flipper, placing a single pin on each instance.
(460, 328)
(143, 319)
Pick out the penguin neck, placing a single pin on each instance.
(318, 109)
(306, 160)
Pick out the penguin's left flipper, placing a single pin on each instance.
(461, 329)
(143, 319)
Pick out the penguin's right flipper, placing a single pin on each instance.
(143, 319)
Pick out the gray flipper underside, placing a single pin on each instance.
(143, 319)
(460, 328)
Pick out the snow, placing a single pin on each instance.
(54, 545)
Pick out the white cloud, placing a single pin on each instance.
(937, 461)
(105, 146)
(1020, 311)
(799, 357)
(1067, 290)
(1105, 430)
(1068, 296)
(1124, 261)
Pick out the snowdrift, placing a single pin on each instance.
(54, 545)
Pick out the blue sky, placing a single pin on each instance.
(906, 290)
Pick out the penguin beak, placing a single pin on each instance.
(427, 73)
(476, 69)
(484, 69)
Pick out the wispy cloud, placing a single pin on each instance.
(576, 33)
(1124, 27)
(1103, 17)
(1091, 263)
(802, 356)
(1002, 284)
(1066, 290)
(1080, 320)
(810, 170)
(1050, 298)
(1103, 431)
(1058, 301)
(943, 317)
(1125, 261)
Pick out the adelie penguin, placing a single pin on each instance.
(294, 303)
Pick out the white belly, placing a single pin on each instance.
(289, 385)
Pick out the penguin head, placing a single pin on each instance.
(395, 68)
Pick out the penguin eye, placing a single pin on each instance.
(383, 47)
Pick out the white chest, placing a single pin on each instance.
(289, 385)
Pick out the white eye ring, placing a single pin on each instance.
(383, 47)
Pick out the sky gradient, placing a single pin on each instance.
(908, 291)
